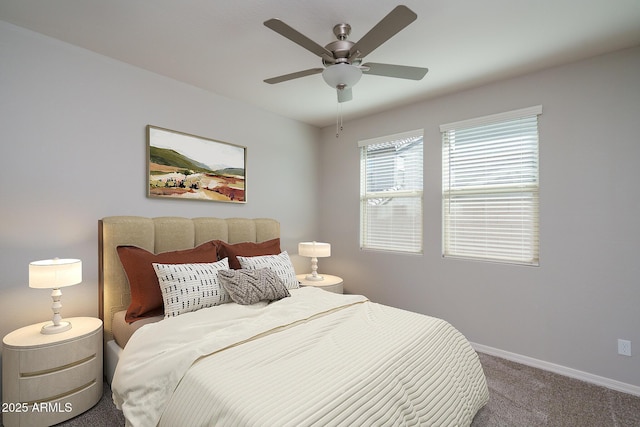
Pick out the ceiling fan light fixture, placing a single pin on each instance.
(340, 76)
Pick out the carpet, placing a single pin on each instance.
(520, 396)
(524, 396)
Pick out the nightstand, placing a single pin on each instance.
(47, 379)
(330, 283)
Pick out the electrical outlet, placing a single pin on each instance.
(624, 347)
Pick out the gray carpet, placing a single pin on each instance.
(521, 396)
(524, 396)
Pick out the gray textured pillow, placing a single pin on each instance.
(250, 286)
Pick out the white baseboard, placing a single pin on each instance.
(559, 369)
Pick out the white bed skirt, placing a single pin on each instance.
(111, 356)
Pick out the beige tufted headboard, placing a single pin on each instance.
(160, 235)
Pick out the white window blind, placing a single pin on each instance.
(391, 193)
(490, 192)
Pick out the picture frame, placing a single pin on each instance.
(190, 167)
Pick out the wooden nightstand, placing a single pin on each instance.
(330, 283)
(47, 379)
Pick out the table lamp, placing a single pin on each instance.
(314, 250)
(55, 274)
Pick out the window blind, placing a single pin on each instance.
(391, 193)
(490, 191)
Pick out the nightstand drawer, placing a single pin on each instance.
(58, 356)
(61, 382)
(58, 410)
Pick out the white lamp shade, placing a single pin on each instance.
(55, 273)
(345, 75)
(314, 249)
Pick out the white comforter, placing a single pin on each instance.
(315, 359)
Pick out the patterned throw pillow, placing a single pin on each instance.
(250, 286)
(280, 264)
(190, 287)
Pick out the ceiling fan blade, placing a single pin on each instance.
(388, 27)
(295, 36)
(398, 71)
(345, 94)
(295, 75)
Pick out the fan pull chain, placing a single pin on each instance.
(338, 119)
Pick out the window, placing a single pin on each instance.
(490, 187)
(391, 193)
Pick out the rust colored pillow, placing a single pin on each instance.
(231, 251)
(146, 296)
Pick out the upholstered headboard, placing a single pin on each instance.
(160, 235)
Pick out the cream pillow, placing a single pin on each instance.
(280, 264)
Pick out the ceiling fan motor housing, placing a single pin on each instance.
(340, 50)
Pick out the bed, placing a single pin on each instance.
(310, 358)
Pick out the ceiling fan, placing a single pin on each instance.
(342, 59)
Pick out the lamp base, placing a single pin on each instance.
(314, 277)
(50, 328)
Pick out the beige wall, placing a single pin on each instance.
(572, 309)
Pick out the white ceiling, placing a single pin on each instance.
(222, 46)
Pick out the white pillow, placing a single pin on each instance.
(280, 264)
(190, 287)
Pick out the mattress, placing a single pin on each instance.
(314, 359)
(122, 330)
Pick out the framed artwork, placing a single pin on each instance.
(183, 166)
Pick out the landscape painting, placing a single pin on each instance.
(183, 166)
